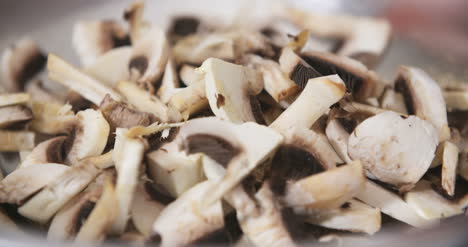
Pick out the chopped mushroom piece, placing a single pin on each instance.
(133, 14)
(190, 100)
(52, 118)
(50, 151)
(146, 208)
(64, 73)
(457, 100)
(120, 115)
(14, 141)
(14, 99)
(169, 83)
(449, 167)
(463, 165)
(189, 75)
(92, 39)
(395, 150)
(20, 63)
(338, 138)
(195, 49)
(39, 92)
(111, 67)
(231, 90)
(394, 101)
(14, 115)
(22, 183)
(423, 97)
(359, 108)
(296, 68)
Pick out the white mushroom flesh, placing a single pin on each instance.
(449, 167)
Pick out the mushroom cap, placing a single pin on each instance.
(395, 150)
(111, 67)
(52, 118)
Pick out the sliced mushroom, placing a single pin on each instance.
(338, 138)
(92, 39)
(463, 165)
(39, 92)
(277, 83)
(52, 118)
(329, 189)
(69, 76)
(127, 156)
(43, 205)
(353, 216)
(149, 58)
(189, 75)
(392, 205)
(14, 141)
(360, 82)
(423, 97)
(120, 115)
(134, 16)
(296, 68)
(14, 115)
(111, 67)
(98, 224)
(188, 218)
(429, 204)
(90, 136)
(449, 167)
(190, 100)
(50, 151)
(316, 98)
(146, 208)
(395, 150)
(393, 101)
(362, 109)
(169, 83)
(22, 183)
(145, 102)
(195, 49)
(183, 26)
(14, 99)
(456, 100)
(20, 63)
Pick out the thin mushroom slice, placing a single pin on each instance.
(52, 118)
(42, 206)
(90, 136)
(395, 150)
(429, 204)
(338, 138)
(38, 91)
(423, 97)
(127, 156)
(22, 183)
(92, 39)
(146, 102)
(329, 189)
(394, 101)
(392, 205)
(449, 167)
(296, 68)
(230, 90)
(316, 98)
(456, 101)
(133, 14)
(50, 151)
(14, 115)
(360, 82)
(111, 67)
(14, 141)
(169, 83)
(76, 80)
(195, 49)
(353, 216)
(146, 208)
(362, 109)
(20, 63)
(188, 219)
(190, 100)
(14, 99)
(189, 75)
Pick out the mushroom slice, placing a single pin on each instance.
(360, 82)
(277, 83)
(393, 101)
(230, 90)
(120, 115)
(169, 83)
(111, 67)
(463, 165)
(90, 136)
(14, 99)
(20, 63)
(68, 220)
(316, 98)
(449, 167)
(14, 115)
(39, 92)
(42, 206)
(104, 214)
(190, 100)
(52, 118)
(189, 75)
(338, 138)
(92, 39)
(391, 205)
(146, 208)
(296, 68)
(175, 171)
(195, 49)
(22, 183)
(50, 151)
(149, 58)
(353, 216)
(363, 109)
(395, 150)
(146, 102)
(127, 156)
(69, 76)
(329, 189)
(423, 97)
(134, 16)
(14, 141)
(429, 204)
(456, 100)
(188, 218)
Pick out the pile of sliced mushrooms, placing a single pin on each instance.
(263, 135)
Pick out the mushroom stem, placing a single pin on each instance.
(52, 118)
(338, 138)
(14, 99)
(449, 167)
(190, 100)
(14, 141)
